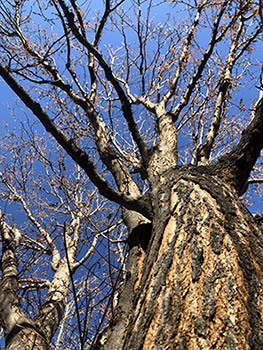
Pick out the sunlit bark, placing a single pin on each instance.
(200, 283)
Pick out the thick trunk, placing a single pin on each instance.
(199, 283)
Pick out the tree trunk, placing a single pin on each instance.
(198, 285)
(22, 332)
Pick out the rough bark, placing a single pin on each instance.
(199, 284)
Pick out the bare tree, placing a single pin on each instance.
(53, 265)
(159, 105)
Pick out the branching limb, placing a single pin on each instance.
(52, 311)
(237, 165)
(33, 283)
(125, 103)
(22, 239)
(205, 149)
(198, 73)
(107, 154)
(255, 181)
(92, 248)
(183, 57)
(166, 121)
(78, 155)
(69, 266)
(31, 217)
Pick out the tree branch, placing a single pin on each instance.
(183, 57)
(36, 223)
(255, 181)
(107, 154)
(125, 104)
(11, 315)
(237, 165)
(204, 150)
(198, 73)
(78, 155)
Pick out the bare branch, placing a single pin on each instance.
(205, 149)
(183, 56)
(238, 164)
(255, 181)
(125, 104)
(78, 155)
(198, 73)
(44, 233)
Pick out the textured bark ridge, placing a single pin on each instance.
(199, 286)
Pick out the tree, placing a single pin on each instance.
(53, 265)
(194, 276)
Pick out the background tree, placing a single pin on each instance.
(160, 105)
(55, 248)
